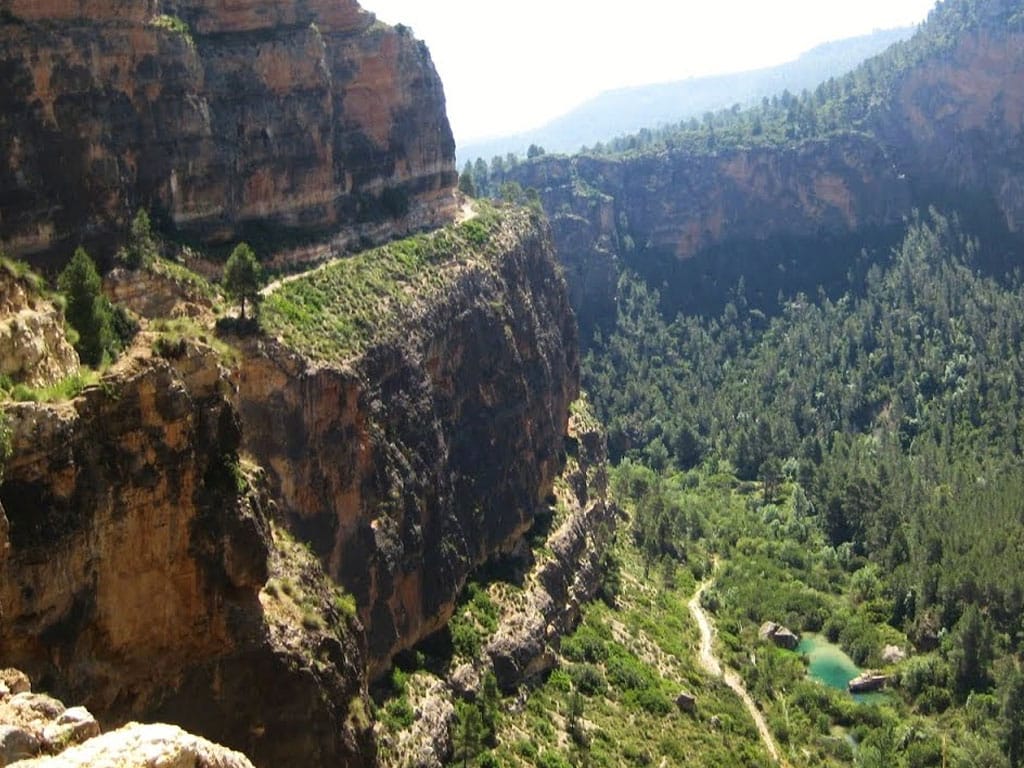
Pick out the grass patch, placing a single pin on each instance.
(173, 336)
(67, 388)
(173, 24)
(185, 277)
(335, 312)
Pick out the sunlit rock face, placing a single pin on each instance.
(277, 121)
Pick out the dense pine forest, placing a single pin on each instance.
(883, 428)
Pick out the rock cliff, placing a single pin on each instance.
(655, 211)
(135, 572)
(238, 541)
(957, 121)
(279, 122)
(429, 446)
(34, 349)
(538, 607)
(943, 125)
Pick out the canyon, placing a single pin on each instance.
(944, 131)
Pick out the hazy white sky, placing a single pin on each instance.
(508, 67)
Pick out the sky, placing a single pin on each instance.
(510, 67)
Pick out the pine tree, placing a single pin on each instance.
(88, 311)
(243, 275)
(466, 184)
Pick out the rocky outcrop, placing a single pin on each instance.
(868, 682)
(156, 291)
(893, 654)
(563, 582)
(780, 635)
(38, 731)
(533, 618)
(142, 746)
(276, 122)
(34, 723)
(34, 349)
(655, 212)
(418, 458)
(136, 564)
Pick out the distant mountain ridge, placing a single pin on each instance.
(627, 110)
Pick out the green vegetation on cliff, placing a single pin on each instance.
(338, 310)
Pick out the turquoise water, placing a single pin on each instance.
(828, 663)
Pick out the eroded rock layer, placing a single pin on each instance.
(945, 128)
(431, 451)
(131, 568)
(284, 121)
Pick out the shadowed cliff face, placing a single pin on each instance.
(299, 119)
(958, 123)
(431, 451)
(656, 211)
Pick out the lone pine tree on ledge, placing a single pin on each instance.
(243, 275)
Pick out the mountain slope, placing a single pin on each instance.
(627, 110)
(789, 193)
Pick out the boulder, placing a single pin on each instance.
(16, 744)
(780, 635)
(143, 746)
(465, 681)
(868, 682)
(686, 702)
(15, 680)
(893, 654)
(74, 726)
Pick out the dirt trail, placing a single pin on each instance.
(713, 666)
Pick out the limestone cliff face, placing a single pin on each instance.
(296, 119)
(34, 349)
(562, 582)
(674, 206)
(947, 129)
(958, 119)
(132, 569)
(421, 457)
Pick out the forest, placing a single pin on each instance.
(864, 455)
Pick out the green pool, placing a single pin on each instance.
(827, 662)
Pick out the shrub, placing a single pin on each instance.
(588, 679)
(551, 759)
(465, 640)
(585, 646)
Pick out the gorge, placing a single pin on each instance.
(445, 495)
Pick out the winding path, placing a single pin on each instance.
(713, 666)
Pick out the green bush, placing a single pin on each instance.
(585, 646)
(588, 679)
(88, 311)
(627, 673)
(552, 759)
(465, 639)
